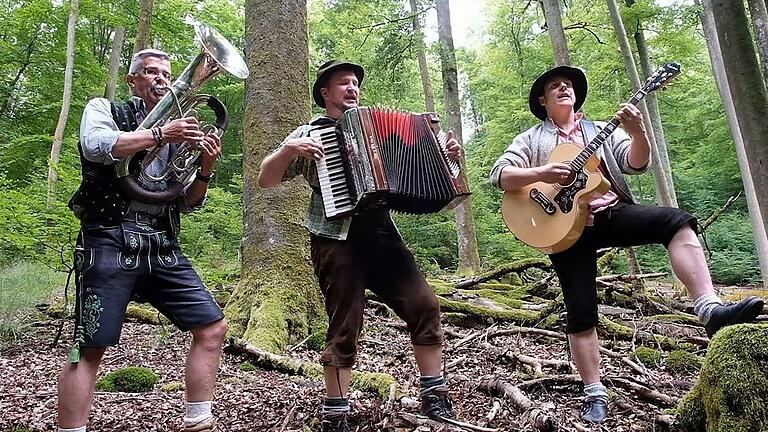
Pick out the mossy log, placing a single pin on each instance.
(513, 267)
(373, 382)
(506, 315)
(621, 331)
(732, 391)
(145, 314)
(540, 420)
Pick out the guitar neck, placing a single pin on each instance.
(577, 164)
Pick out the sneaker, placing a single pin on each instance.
(205, 425)
(594, 410)
(335, 423)
(437, 405)
(741, 312)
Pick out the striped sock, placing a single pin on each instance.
(429, 384)
(335, 406)
(704, 305)
(596, 391)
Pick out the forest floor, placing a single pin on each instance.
(261, 400)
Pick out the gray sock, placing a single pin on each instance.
(77, 429)
(704, 305)
(335, 406)
(596, 391)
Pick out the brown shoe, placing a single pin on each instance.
(207, 425)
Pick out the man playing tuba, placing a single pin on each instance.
(127, 249)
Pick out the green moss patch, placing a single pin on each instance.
(680, 361)
(648, 356)
(128, 380)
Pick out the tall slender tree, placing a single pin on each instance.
(58, 135)
(556, 32)
(759, 15)
(421, 56)
(663, 185)
(469, 258)
(114, 62)
(143, 30)
(758, 228)
(277, 298)
(652, 103)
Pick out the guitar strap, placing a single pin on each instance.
(588, 130)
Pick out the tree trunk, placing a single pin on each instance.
(663, 195)
(277, 300)
(145, 24)
(749, 100)
(759, 14)
(58, 135)
(718, 68)
(556, 32)
(469, 259)
(421, 56)
(653, 110)
(114, 62)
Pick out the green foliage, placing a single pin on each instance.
(732, 391)
(132, 379)
(247, 366)
(680, 361)
(316, 341)
(648, 356)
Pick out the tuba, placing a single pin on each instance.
(217, 55)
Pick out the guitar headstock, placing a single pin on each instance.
(661, 76)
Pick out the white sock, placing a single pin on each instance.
(596, 390)
(197, 412)
(77, 429)
(704, 305)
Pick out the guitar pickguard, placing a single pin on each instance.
(567, 194)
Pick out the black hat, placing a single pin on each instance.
(576, 76)
(324, 72)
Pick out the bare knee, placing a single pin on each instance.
(211, 335)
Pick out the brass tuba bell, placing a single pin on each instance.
(217, 55)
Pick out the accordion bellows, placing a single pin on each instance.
(379, 157)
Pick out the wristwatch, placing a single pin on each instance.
(203, 178)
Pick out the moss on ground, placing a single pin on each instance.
(732, 391)
(648, 356)
(680, 361)
(513, 315)
(673, 318)
(622, 331)
(129, 380)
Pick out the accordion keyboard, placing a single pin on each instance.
(330, 173)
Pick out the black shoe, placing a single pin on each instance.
(594, 410)
(335, 423)
(741, 312)
(437, 406)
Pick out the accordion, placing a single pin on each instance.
(378, 157)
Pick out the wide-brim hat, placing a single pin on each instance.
(578, 79)
(326, 70)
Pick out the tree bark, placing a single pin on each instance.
(663, 194)
(421, 56)
(469, 259)
(145, 24)
(556, 32)
(58, 135)
(277, 301)
(653, 109)
(114, 62)
(753, 205)
(759, 14)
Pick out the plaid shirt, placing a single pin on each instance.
(315, 222)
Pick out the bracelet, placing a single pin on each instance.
(203, 178)
(157, 134)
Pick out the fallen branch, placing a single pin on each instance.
(654, 396)
(716, 214)
(513, 267)
(539, 419)
(418, 420)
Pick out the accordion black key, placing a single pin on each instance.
(378, 157)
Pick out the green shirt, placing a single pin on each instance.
(315, 222)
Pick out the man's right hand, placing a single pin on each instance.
(554, 172)
(183, 129)
(305, 147)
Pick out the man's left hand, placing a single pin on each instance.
(455, 151)
(631, 119)
(211, 147)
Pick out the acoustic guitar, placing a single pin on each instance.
(551, 217)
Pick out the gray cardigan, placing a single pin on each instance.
(532, 148)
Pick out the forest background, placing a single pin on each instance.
(511, 49)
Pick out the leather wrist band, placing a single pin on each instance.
(203, 178)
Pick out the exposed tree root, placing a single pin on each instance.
(539, 419)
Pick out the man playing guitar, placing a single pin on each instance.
(614, 219)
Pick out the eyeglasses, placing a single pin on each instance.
(154, 72)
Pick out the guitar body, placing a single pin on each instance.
(551, 217)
